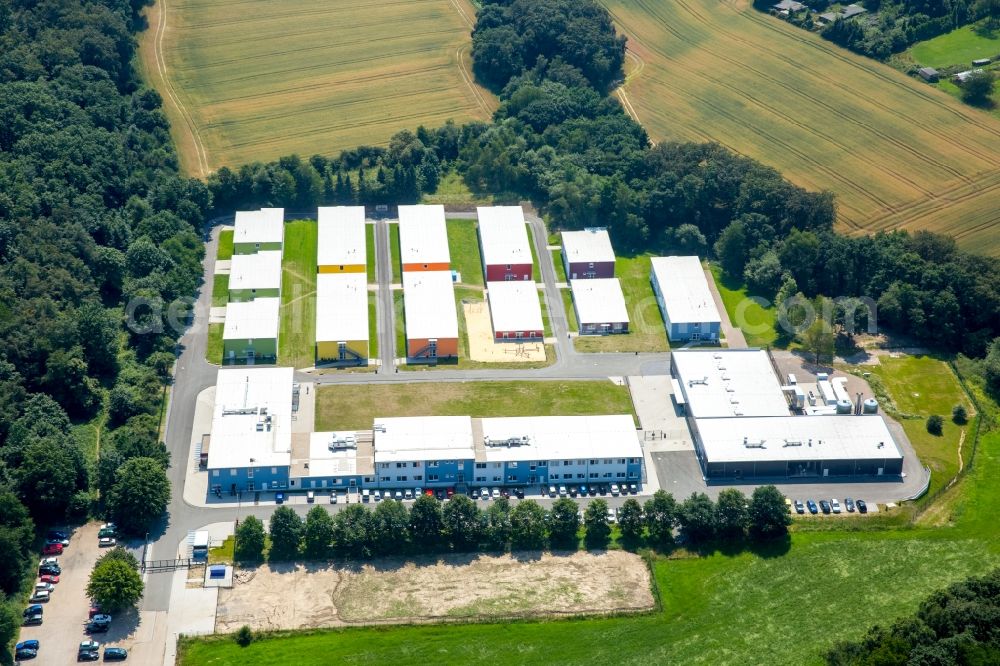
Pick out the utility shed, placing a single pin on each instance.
(251, 331)
(588, 254)
(342, 242)
(255, 276)
(515, 311)
(251, 429)
(797, 447)
(342, 318)
(423, 239)
(685, 301)
(430, 315)
(503, 239)
(600, 306)
(258, 230)
(928, 74)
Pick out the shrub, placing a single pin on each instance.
(243, 636)
(935, 424)
(958, 415)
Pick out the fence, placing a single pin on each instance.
(160, 566)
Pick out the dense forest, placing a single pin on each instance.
(560, 140)
(959, 625)
(93, 216)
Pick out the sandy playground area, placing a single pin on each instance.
(434, 589)
(482, 346)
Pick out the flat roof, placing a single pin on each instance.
(599, 301)
(504, 235)
(252, 319)
(261, 270)
(252, 418)
(787, 438)
(559, 437)
(589, 245)
(266, 225)
(402, 439)
(429, 305)
(729, 382)
(341, 307)
(686, 295)
(423, 235)
(514, 306)
(341, 237)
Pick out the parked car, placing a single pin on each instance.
(862, 506)
(50, 569)
(49, 560)
(109, 526)
(52, 549)
(88, 646)
(32, 609)
(102, 618)
(812, 507)
(450, 492)
(583, 490)
(28, 645)
(633, 488)
(107, 532)
(602, 489)
(572, 491)
(439, 494)
(33, 619)
(835, 504)
(107, 542)
(591, 490)
(552, 491)
(562, 491)
(279, 498)
(612, 516)
(799, 507)
(824, 506)
(25, 653)
(614, 490)
(62, 542)
(398, 496)
(40, 596)
(115, 654)
(49, 578)
(56, 535)
(333, 497)
(496, 493)
(429, 492)
(95, 609)
(44, 587)
(91, 655)
(408, 494)
(365, 494)
(519, 493)
(97, 627)
(849, 504)
(310, 497)
(484, 493)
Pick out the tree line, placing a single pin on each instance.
(460, 525)
(93, 217)
(957, 625)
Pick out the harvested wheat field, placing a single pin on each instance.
(252, 80)
(897, 153)
(451, 587)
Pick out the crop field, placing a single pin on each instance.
(897, 153)
(246, 80)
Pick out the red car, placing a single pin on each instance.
(95, 609)
(48, 578)
(52, 549)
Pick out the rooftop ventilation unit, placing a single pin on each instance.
(379, 427)
(703, 381)
(341, 443)
(793, 442)
(523, 440)
(244, 411)
(754, 445)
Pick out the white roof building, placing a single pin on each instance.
(728, 382)
(330, 455)
(261, 270)
(341, 240)
(429, 305)
(686, 296)
(252, 418)
(514, 306)
(418, 438)
(423, 235)
(589, 245)
(560, 437)
(793, 438)
(598, 301)
(266, 225)
(341, 307)
(504, 236)
(250, 320)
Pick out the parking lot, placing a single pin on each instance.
(65, 614)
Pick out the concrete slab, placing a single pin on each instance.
(217, 316)
(192, 612)
(223, 266)
(652, 401)
(304, 420)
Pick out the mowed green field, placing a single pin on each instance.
(959, 47)
(897, 153)
(252, 80)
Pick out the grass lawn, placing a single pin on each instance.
(355, 407)
(372, 325)
(370, 252)
(400, 320)
(213, 350)
(567, 299)
(958, 47)
(546, 320)
(886, 144)
(297, 334)
(223, 554)
(225, 244)
(88, 435)
(452, 189)
(397, 262)
(646, 330)
(220, 291)
(921, 386)
(756, 321)
(463, 243)
(560, 266)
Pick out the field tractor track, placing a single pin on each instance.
(229, 22)
(966, 191)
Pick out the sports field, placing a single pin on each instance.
(897, 153)
(249, 80)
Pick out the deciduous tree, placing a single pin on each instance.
(250, 540)
(286, 534)
(595, 520)
(564, 522)
(140, 494)
(769, 517)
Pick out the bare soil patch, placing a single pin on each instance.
(454, 587)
